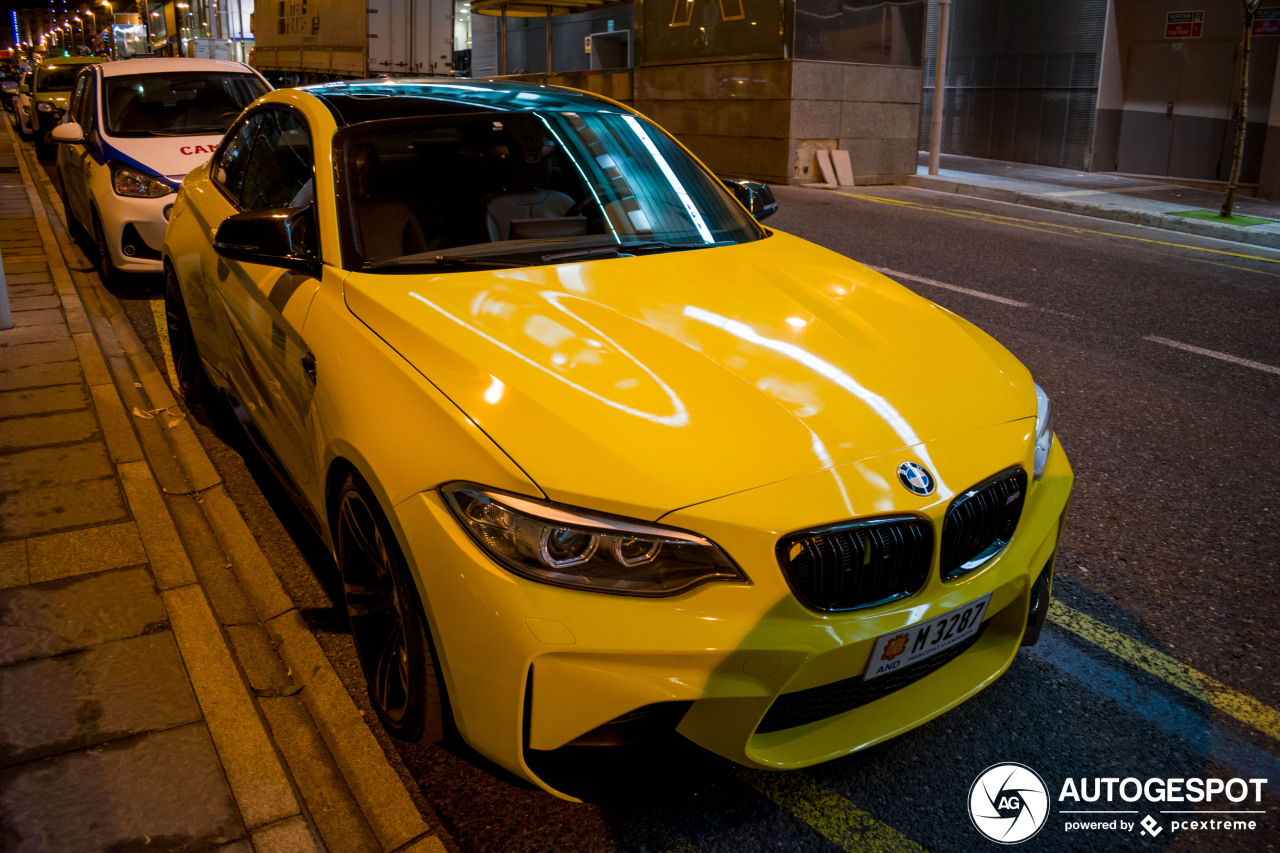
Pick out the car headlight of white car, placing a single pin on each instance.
(1044, 432)
(134, 184)
(560, 545)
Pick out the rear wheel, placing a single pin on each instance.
(387, 621)
(192, 382)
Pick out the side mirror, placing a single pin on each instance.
(279, 237)
(24, 89)
(754, 195)
(67, 132)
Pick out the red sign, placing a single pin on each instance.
(1183, 25)
(1266, 22)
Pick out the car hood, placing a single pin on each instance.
(170, 156)
(642, 385)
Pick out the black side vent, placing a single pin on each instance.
(859, 564)
(981, 521)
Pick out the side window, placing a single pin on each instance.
(229, 170)
(268, 161)
(82, 101)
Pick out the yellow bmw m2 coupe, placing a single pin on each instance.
(612, 472)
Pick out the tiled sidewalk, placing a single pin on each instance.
(103, 742)
(149, 698)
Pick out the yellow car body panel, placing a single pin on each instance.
(813, 352)
(741, 393)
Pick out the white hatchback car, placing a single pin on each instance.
(132, 132)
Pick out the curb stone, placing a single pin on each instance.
(1198, 227)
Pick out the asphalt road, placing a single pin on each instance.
(1161, 353)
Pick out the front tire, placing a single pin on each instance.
(106, 267)
(387, 621)
(193, 384)
(19, 121)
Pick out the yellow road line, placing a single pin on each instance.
(1013, 220)
(833, 816)
(162, 332)
(1244, 708)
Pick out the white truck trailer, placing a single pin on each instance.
(312, 41)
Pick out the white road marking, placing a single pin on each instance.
(1244, 362)
(957, 288)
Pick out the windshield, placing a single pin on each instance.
(182, 103)
(57, 78)
(501, 188)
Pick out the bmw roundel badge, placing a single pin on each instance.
(916, 478)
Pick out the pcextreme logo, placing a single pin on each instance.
(1009, 803)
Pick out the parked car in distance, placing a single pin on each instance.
(133, 131)
(614, 475)
(50, 90)
(19, 102)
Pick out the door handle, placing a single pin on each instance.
(309, 366)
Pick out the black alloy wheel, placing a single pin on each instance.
(192, 382)
(387, 620)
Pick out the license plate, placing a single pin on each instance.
(899, 649)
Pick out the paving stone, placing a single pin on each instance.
(41, 317)
(13, 564)
(288, 836)
(34, 401)
(39, 375)
(33, 281)
(159, 791)
(329, 801)
(253, 767)
(34, 334)
(61, 616)
(29, 284)
(41, 430)
(56, 508)
(18, 267)
(54, 466)
(32, 303)
(82, 552)
(106, 693)
(25, 355)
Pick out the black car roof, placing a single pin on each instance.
(370, 100)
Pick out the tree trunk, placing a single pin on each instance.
(1242, 118)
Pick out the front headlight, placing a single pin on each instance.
(1044, 433)
(44, 108)
(560, 545)
(134, 184)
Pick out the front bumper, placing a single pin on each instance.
(532, 668)
(133, 227)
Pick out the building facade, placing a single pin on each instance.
(1144, 87)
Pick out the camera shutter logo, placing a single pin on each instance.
(1008, 803)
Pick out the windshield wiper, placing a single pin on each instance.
(663, 246)
(629, 250)
(443, 261)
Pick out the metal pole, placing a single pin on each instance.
(548, 19)
(504, 41)
(6, 316)
(939, 87)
